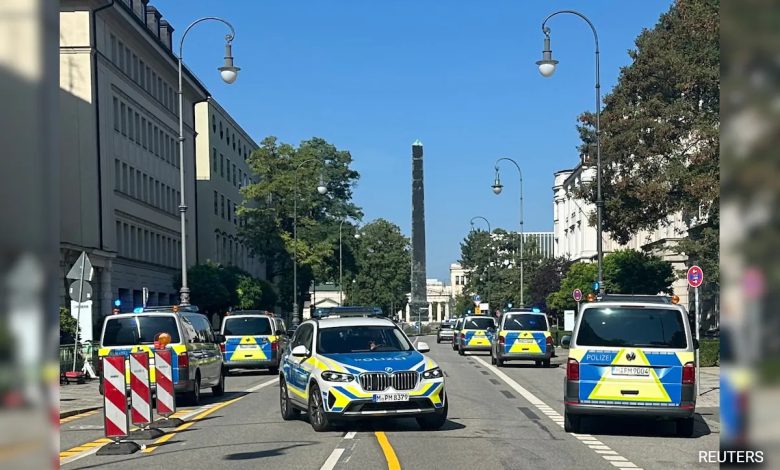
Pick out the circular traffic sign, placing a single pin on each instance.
(80, 287)
(695, 276)
(577, 294)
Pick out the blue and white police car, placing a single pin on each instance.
(354, 363)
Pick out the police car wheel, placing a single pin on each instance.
(274, 370)
(219, 389)
(546, 363)
(685, 427)
(438, 340)
(499, 362)
(537, 363)
(319, 421)
(461, 351)
(193, 397)
(571, 423)
(433, 421)
(288, 411)
(492, 359)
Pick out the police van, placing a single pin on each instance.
(351, 364)
(254, 339)
(523, 334)
(476, 333)
(196, 358)
(631, 356)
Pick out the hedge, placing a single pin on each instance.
(709, 352)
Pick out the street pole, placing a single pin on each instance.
(341, 289)
(229, 74)
(497, 187)
(698, 328)
(547, 68)
(322, 190)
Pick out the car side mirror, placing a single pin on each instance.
(218, 338)
(423, 347)
(696, 344)
(566, 342)
(300, 351)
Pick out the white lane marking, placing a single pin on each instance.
(593, 443)
(333, 459)
(262, 385)
(350, 435)
(616, 458)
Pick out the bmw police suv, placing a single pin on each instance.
(353, 364)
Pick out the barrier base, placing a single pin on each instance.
(168, 423)
(119, 448)
(146, 434)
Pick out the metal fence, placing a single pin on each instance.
(88, 349)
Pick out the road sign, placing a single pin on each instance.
(484, 307)
(695, 276)
(477, 309)
(577, 294)
(82, 267)
(568, 320)
(82, 313)
(477, 298)
(82, 288)
(145, 295)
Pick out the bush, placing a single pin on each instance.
(558, 334)
(709, 352)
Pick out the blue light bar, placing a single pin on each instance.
(347, 312)
(138, 310)
(536, 310)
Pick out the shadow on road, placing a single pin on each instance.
(625, 426)
(528, 365)
(261, 454)
(250, 373)
(393, 425)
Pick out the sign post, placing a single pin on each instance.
(81, 272)
(695, 280)
(577, 295)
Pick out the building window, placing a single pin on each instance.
(141, 68)
(149, 137)
(222, 204)
(137, 128)
(235, 181)
(121, 57)
(122, 111)
(216, 203)
(213, 126)
(116, 114)
(113, 48)
(138, 189)
(229, 206)
(117, 174)
(148, 83)
(227, 160)
(221, 165)
(130, 130)
(214, 159)
(128, 58)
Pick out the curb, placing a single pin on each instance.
(68, 414)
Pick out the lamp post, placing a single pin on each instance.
(490, 254)
(497, 187)
(322, 189)
(229, 73)
(547, 68)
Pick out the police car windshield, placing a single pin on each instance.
(632, 327)
(247, 326)
(479, 323)
(525, 322)
(138, 329)
(361, 339)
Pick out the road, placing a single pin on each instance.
(498, 418)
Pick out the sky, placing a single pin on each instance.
(371, 77)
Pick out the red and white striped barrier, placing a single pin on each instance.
(166, 398)
(140, 392)
(114, 398)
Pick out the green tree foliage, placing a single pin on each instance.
(383, 262)
(579, 276)
(249, 292)
(283, 170)
(68, 325)
(660, 124)
(547, 279)
(634, 272)
(215, 288)
(463, 304)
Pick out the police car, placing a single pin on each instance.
(476, 333)
(357, 364)
(523, 334)
(253, 340)
(631, 356)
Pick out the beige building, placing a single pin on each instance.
(440, 302)
(458, 278)
(222, 148)
(575, 237)
(120, 163)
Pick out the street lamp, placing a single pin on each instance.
(229, 73)
(321, 189)
(547, 68)
(490, 254)
(497, 188)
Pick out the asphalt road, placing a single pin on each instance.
(498, 418)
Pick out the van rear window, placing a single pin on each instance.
(140, 329)
(632, 327)
(247, 326)
(525, 322)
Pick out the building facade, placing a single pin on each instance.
(458, 278)
(119, 147)
(222, 148)
(575, 237)
(440, 303)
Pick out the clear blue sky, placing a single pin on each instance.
(373, 76)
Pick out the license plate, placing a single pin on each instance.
(631, 371)
(526, 341)
(386, 397)
(247, 346)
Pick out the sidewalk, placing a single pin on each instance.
(78, 398)
(709, 387)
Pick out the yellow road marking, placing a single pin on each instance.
(151, 447)
(75, 417)
(387, 449)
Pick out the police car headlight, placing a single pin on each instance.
(434, 373)
(331, 376)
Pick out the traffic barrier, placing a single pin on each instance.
(141, 397)
(116, 423)
(166, 397)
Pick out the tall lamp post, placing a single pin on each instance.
(547, 68)
(497, 187)
(229, 73)
(322, 189)
(490, 254)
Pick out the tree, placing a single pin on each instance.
(579, 276)
(268, 213)
(383, 263)
(660, 125)
(255, 294)
(68, 324)
(634, 272)
(207, 289)
(547, 279)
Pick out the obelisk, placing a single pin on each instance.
(419, 299)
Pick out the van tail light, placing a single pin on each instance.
(549, 341)
(501, 340)
(689, 373)
(572, 369)
(222, 347)
(274, 346)
(184, 360)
